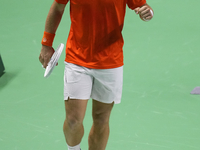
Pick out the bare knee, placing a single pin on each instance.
(73, 122)
(75, 112)
(101, 120)
(101, 114)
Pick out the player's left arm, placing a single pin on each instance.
(145, 11)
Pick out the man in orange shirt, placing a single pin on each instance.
(93, 63)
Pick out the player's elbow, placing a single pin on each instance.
(58, 8)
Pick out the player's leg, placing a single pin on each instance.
(99, 133)
(73, 125)
(107, 90)
(77, 91)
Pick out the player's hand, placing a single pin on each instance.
(45, 55)
(145, 12)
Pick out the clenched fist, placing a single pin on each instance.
(146, 13)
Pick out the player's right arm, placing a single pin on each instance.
(52, 22)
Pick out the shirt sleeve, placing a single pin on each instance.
(132, 4)
(62, 1)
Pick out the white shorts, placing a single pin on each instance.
(104, 85)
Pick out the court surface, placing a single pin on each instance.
(161, 68)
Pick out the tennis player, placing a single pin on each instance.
(93, 63)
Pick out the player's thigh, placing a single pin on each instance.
(77, 82)
(101, 111)
(107, 87)
(75, 110)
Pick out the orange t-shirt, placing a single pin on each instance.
(95, 39)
